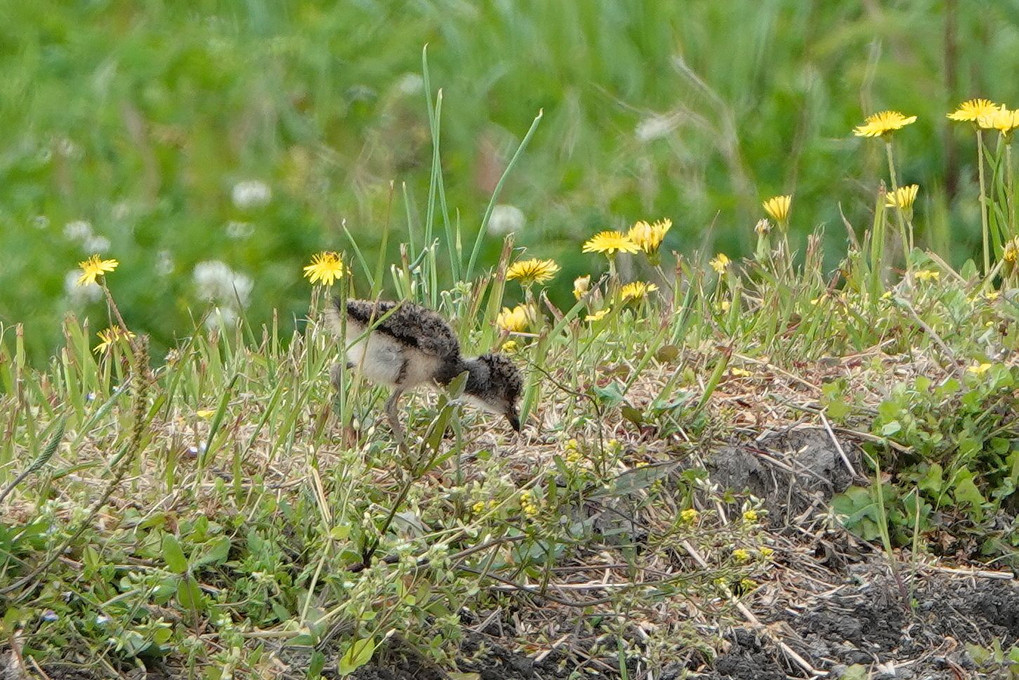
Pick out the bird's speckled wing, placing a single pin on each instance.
(411, 324)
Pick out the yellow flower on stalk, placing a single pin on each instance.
(598, 316)
(93, 267)
(515, 320)
(973, 109)
(649, 237)
(903, 197)
(325, 267)
(1011, 252)
(928, 275)
(883, 123)
(1001, 119)
(688, 516)
(979, 369)
(778, 207)
(110, 337)
(720, 262)
(741, 555)
(610, 243)
(581, 285)
(509, 346)
(533, 271)
(638, 290)
(750, 516)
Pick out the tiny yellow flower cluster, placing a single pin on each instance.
(573, 455)
(688, 516)
(741, 555)
(928, 275)
(720, 262)
(979, 369)
(750, 516)
(1011, 252)
(527, 504)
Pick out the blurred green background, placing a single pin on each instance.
(214, 146)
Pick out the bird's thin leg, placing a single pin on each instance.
(394, 419)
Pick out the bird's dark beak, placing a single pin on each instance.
(514, 420)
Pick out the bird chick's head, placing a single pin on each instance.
(494, 384)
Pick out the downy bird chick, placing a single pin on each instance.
(404, 345)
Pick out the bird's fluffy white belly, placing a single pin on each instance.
(381, 358)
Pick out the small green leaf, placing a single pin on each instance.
(358, 654)
(173, 555)
(888, 429)
(634, 415)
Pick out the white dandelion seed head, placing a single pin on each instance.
(96, 244)
(506, 219)
(78, 230)
(121, 210)
(239, 230)
(221, 319)
(164, 263)
(216, 282)
(410, 83)
(79, 296)
(655, 127)
(250, 194)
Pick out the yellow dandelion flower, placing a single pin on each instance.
(928, 275)
(533, 271)
(509, 346)
(610, 243)
(903, 197)
(110, 337)
(973, 109)
(1001, 119)
(720, 262)
(325, 267)
(93, 267)
(649, 237)
(597, 316)
(979, 369)
(883, 123)
(689, 516)
(741, 555)
(778, 207)
(724, 305)
(638, 290)
(581, 285)
(1011, 252)
(750, 516)
(515, 320)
